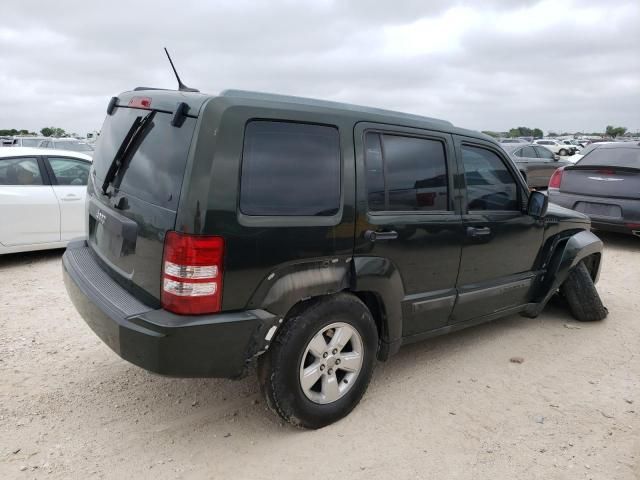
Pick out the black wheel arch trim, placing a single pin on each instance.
(565, 255)
(289, 285)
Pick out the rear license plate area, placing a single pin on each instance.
(599, 209)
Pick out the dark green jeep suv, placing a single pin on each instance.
(312, 237)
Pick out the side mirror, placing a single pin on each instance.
(538, 204)
(556, 157)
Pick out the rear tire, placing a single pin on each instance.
(562, 152)
(582, 296)
(299, 349)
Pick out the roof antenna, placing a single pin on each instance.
(181, 86)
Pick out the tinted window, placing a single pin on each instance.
(19, 171)
(490, 185)
(155, 170)
(290, 169)
(412, 174)
(526, 152)
(544, 153)
(618, 157)
(70, 172)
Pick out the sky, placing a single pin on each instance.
(561, 65)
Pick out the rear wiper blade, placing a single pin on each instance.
(137, 128)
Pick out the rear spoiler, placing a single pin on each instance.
(179, 114)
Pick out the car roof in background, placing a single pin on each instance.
(510, 147)
(629, 144)
(50, 152)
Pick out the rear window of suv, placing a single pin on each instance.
(155, 170)
(290, 169)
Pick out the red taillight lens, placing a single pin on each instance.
(140, 102)
(556, 178)
(192, 273)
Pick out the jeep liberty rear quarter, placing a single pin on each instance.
(314, 237)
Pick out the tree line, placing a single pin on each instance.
(45, 132)
(610, 131)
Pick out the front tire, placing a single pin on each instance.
(320, 364)
(562, 152)
(581, 295)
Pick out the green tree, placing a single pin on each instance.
(53, 132)
(537, 133)
(613, 132)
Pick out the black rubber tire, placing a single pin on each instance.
(278, 368)
(562, 152)
(581, 295)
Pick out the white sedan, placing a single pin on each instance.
(42, 198)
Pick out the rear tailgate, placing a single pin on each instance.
(127, 225)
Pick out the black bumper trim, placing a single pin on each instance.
(219, 345)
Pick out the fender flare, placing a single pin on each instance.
(380, 276)
(290, 284)
(563, 259)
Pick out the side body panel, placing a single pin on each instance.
(269, 260)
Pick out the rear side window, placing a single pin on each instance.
(405, 173)
(20, 171)
(68, 171)
(490, 185)
(290, 169)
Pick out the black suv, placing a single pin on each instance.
(315, 237)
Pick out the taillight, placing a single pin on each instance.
(556, 178)
(192, 273)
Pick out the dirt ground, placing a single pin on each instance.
(453, 407)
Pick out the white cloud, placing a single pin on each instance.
(561, 64)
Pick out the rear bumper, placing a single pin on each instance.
(219, 345)
(624, 224)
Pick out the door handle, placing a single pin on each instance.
(372, 235)
(478, 232)
(70, 198)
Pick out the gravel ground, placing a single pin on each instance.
(452, 407)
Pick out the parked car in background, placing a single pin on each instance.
(604, 184)
(592, 146)
(42, 198)
(312, 237)
(70, 144)
(26, 141)
(535, 162)
(572, 143)
(557, 147)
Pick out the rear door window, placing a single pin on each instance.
(22, 171)
(290, 169)
(68, 171)
(405, 173)
(490, 185)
